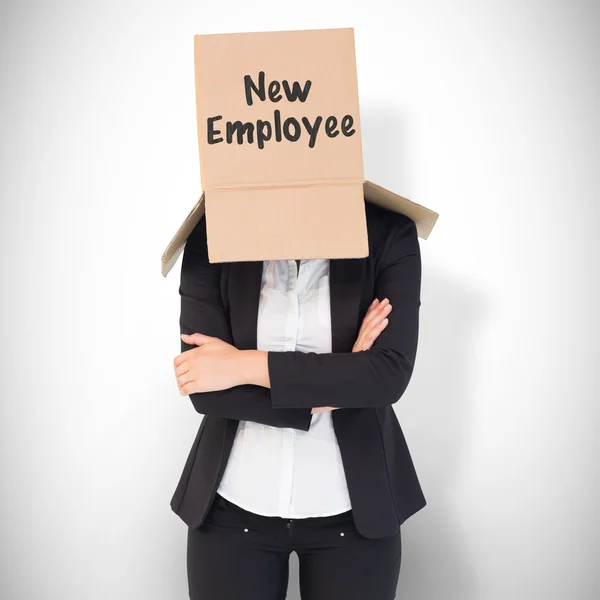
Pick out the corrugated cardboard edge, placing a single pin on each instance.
(424, 218)
(176, 245)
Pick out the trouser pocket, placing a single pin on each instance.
(227, 517)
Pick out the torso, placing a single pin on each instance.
(286, 472)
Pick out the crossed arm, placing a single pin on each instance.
(202, 311)
(280, 388)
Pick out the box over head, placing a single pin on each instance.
(280, 145)
(280, 149)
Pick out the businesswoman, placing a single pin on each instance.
(295, 365)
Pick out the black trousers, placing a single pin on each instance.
(239, 555)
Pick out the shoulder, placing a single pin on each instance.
(389, 231)
(197, 237)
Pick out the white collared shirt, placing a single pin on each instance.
(278, 471)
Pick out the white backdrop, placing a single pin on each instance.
(486, 112)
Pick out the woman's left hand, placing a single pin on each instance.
(210, 367)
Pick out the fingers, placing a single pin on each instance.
(369, 336)
(181, 358)
(182, 364)
(183, 375)
(374, 323)
(371, 313)
(182, 368)
(188, 388)
(373, 333)
(377, 312)
(184, 383)
(196, 339)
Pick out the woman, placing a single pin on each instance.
(296, 365)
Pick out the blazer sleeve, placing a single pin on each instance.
(202, 311)
(375, 377)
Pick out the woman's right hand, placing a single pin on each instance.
(374, 322)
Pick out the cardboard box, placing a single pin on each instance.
(280, 149)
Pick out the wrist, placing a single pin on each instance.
(253, 368)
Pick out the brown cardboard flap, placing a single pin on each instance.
(300, 222)
(176, 245)
(424, 218)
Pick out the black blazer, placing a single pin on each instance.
(222, 300)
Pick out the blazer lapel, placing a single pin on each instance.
(346, 280)
(244, 295)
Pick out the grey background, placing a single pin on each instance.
(484, 111)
